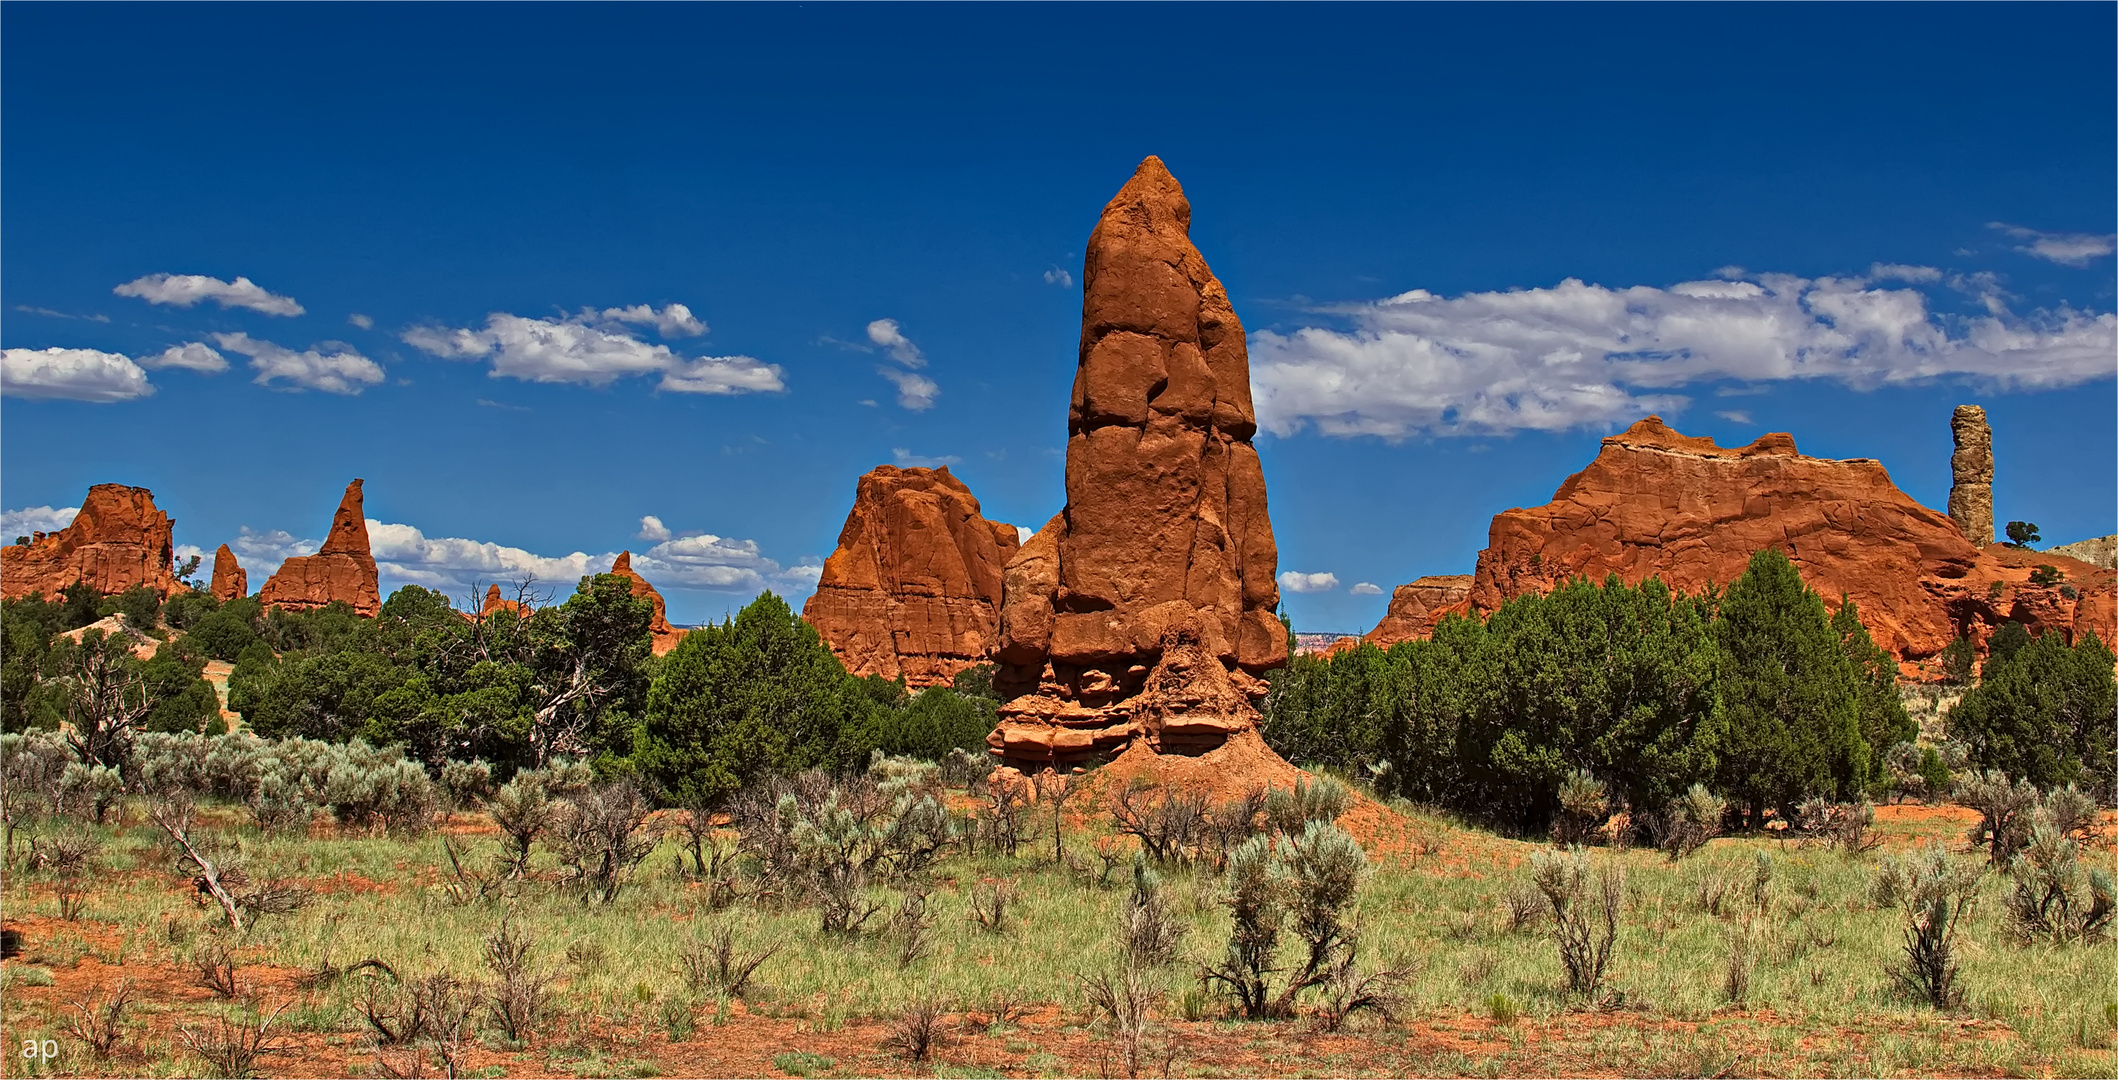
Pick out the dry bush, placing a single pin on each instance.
(101, 1026)
(918, 1030)
(518, 996)
(465, 884)
(989, 905)
(232, 1046)
(714, 965)
(1688, 822)
(1522, 907)
(2005, 812)
(1000, 813)
(1848, 827)
(1170, 825)
(601, 836)
(1742, 961)
(910, 926)
(1125, 997)
(1152, 931)
(1585, 906)
(215, 967)
(71, 859)
(1346, 991)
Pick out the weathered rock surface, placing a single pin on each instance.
(1144, 610)
(342, 570)
(495, 604)
(117, 541)
(1971, 474)
(2101, 551)
(1415, 608)
(666, 636)
(913, 590)
(1657, 503)
(230, 580)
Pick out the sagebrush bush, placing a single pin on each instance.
(1934, 894)
(2054, 898)
(1585, 902)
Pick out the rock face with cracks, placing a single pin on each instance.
(1971, 474)
(342, 570)
(913, 590)
(1415, 608)
(665, 635)
(1141, 614)
(1655, 503)
(117, 541)
(230, 580)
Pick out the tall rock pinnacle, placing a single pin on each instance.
(342, 570)
(1971, 469)
(1164, 556)
(230, 580)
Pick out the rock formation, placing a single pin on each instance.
(342, 570)
(1971, 474)
(1140, 615)
(230, 580)
(495, 604)
(1415, 608)
(666, 636)
(914, 587)
(1657, 503)
(117, 541)
(2100, 551)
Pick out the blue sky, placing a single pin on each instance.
(560, 269)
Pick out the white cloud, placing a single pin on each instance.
(2067, 249)
(1902, 272)
(1056, 276)
(1585, 355)
(805, 576)
(675, 320)
(184, 290)
(331, 366)
(455, 566)
(25, 308)
(914, 392)
(1298, 582)
(191, 356)
(706, 561)
(363, 321)
(71, 375)
(1735, 416)
(596, 349)
(1024, 532)
(651, 528)
(34, 519)
(261, 553)
(886, 333)
(1366, 588)
(906, 459)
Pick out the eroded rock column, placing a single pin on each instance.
(1971, 467)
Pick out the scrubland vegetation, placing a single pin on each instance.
(1610, 831)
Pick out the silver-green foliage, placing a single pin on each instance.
(1586, 902)
(1310, 880)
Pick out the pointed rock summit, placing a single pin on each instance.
(118, 540)
(496, 604)
(1161, 565)
(913, 590)
(342, 570)
(230, 580)
(666, 636)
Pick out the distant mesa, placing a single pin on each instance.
(1137, 620)
(118, 541)
(665, 635)
(1658, 503)
(913, 590)
(342, 570)
(230, 580)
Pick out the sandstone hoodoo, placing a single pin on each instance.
(496, 604)
(117, 541)
(665, 635)
(913, 590)
(230, 580)
(1415, 608)
(1971, 474)
(1141, 614)
(1657, 503)
(342, 570)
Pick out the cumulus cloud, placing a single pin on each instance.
(185, 290)
(2066, 249)
(455, 565)
(34, 519)
(1024, 532)
(71, 375)
(806, 575)
(1585, 355)
(1297, 582)
(906, 459)
(1059, 277)
(596, 348)
(891, 337)
(262, 552)
(706, 561)
(333, 367)
(651, 528)
(914, 392)
(191, 356)
(1366, 588)
(362, 321)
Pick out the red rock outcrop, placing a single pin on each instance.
(342, 570)
(1139, 616)
(117, 541)
(1971, 474)
(230, 580)
(913, 590)
(495, 604)
(1415, 608)
(666, 636)
(1657, 503)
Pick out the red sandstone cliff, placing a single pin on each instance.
(1161, 565)
(342, 570)
(117, 541)
(914, 587)
(1657, 503)
(1415, 608)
